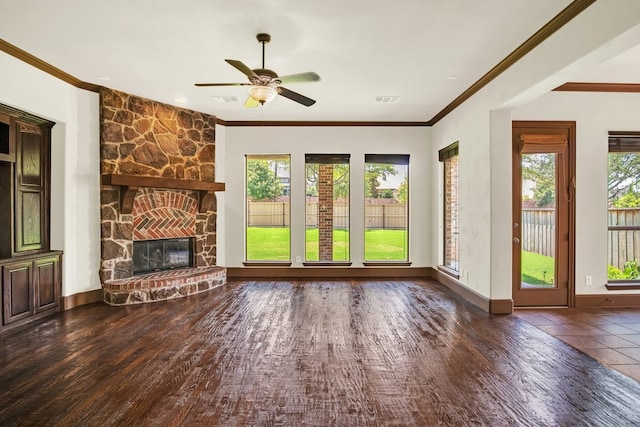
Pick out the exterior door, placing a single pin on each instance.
(543, 213)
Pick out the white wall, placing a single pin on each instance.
(595, 114)
(357, 141)
(75, 189)
(482, 125)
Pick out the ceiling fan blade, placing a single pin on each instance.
(294, 96)
(251, 102)
(298, 78)
(243, 68)
(222, 84)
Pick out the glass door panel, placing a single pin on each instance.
(538, 221)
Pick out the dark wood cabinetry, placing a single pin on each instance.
(32, 183)
(17, 290)
(31, 287)
(30, 271)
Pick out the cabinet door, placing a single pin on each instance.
(31, 189)
(46, 283)
(7, 149)
(17, 291)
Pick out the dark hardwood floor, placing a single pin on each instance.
(295, 353)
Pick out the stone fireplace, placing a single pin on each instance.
(158, 167)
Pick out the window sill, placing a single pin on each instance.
(267, 263)
(386, 263)
(327, 263)
(623, 285)
(449, 272)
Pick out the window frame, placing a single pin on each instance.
(390, 159)
(621, 142)
(274, 157)
(332, 159)
(444, 156)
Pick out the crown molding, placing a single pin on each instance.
(289, 123)
(598, 87)
(38, 63)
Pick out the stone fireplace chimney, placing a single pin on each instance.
(165, 154)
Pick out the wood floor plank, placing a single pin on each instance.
(294, 353)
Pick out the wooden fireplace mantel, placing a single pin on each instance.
(129, 185)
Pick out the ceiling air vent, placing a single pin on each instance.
(387, 99)
(226, 99)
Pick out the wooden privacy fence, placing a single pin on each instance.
(624, 241)
(386, 216)
(538, 231)
(268, 214)
(276, 214)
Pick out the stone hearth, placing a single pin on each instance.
(163, 285)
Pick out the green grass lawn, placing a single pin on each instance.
(385, 245)
(340, 245)
(537, 269)
(268, 244)
(272, 244)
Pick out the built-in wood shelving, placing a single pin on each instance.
(129, 185)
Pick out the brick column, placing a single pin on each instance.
(451, 209)
(325, 211)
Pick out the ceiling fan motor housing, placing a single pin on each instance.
(265, 77)
(263, 38)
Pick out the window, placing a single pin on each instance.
(327, 207)
(386, 236)
(449, 157)
(268, 208)
(623, 206)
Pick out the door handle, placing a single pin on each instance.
(516, 240)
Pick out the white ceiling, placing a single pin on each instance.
(158, 49)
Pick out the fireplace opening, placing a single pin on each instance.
(166, 254)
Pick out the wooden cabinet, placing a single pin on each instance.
(32, 183)
(46, 282)
(17, 291)
(30, 287)
(30, 271)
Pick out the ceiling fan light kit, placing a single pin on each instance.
(262, 94)
(265, 84)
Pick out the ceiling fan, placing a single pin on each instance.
(265, 84)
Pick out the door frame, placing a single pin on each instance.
(564, 127)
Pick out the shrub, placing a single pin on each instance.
(614, 273)
(630, 271)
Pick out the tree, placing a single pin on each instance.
(386, 193)
(624, 174)
(403, 190)
(629, 200)
(540, 169)
(373, 173)
(340, 180)
(262, 182)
